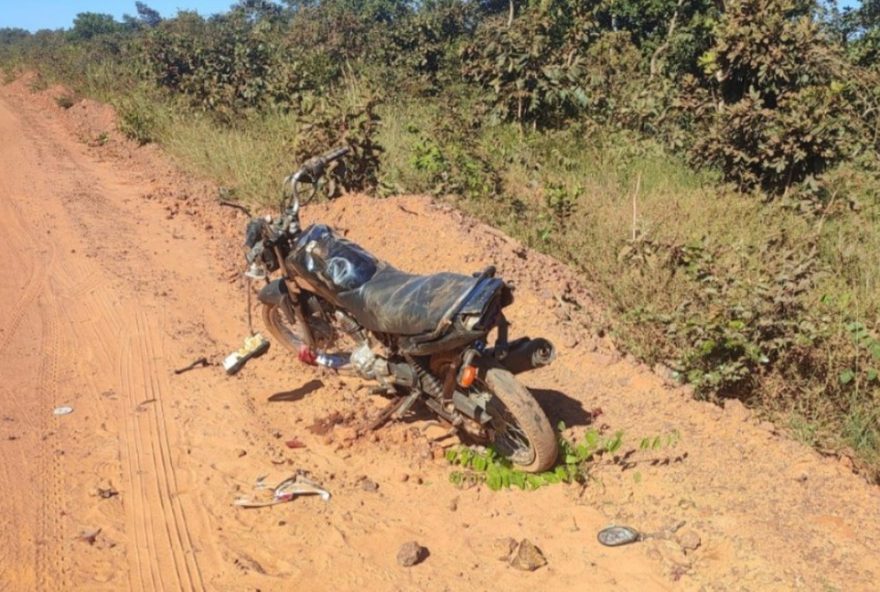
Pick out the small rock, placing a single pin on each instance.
(453, 504)
(404, 477)
(411, 553)
(846, 462)
(345, 433)
(239, 452)
(528, 557)
(689, 540)
(503, 548)
(369, 485)
(735, 410)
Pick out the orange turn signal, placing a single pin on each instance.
(467, 375)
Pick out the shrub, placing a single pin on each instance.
(344, 119)
(533, 68)
(780, 118)
(735, 325)
(137, 118)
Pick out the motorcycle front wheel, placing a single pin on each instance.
(519, 428)
(292, 336)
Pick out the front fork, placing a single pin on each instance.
(276, 293)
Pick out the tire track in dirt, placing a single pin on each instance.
(17, 238)
(51, 537)
(10, 521)
(178, 532)
(156, 517)
(145, 551)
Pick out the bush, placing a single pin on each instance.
(781, 117)
(343, 120)
(137, 118)
(534, 68)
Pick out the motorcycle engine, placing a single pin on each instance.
(368, 364)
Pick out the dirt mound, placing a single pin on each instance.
(120, 269)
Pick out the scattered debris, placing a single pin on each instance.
(254, 345)
(411, 553)
(63, 410)
(294, 443)
(247, 563)
(528, 557)
(107, 492)
(142, 405)
(615, 536)
(203, 362)
(285, 491)
(89, 536)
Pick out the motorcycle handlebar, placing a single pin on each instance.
(314, 167)
(312, 170)
(336, 154)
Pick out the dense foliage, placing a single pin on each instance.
(509, 105)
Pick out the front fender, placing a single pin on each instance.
(273, 293)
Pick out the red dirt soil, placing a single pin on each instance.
(118, 269)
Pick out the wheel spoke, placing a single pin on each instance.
(509, 437)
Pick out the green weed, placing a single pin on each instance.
(576, 460)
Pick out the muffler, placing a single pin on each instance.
(526, 354)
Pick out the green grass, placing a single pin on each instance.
(582, 195)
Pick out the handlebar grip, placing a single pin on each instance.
(314, 167)
(335, 154)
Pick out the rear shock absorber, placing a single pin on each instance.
(429, 384)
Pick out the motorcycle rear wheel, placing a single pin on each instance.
(520, 430)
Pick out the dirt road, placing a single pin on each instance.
(118, 269)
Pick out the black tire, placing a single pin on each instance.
(291, 337)
(521, 430)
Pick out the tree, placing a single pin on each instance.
(88, 25)
(147, 15)
(8, 35)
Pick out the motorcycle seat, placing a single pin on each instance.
(396, 302)
(382, 298)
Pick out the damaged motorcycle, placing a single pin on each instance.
(420, 338)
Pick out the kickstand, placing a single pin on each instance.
(391, 409)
